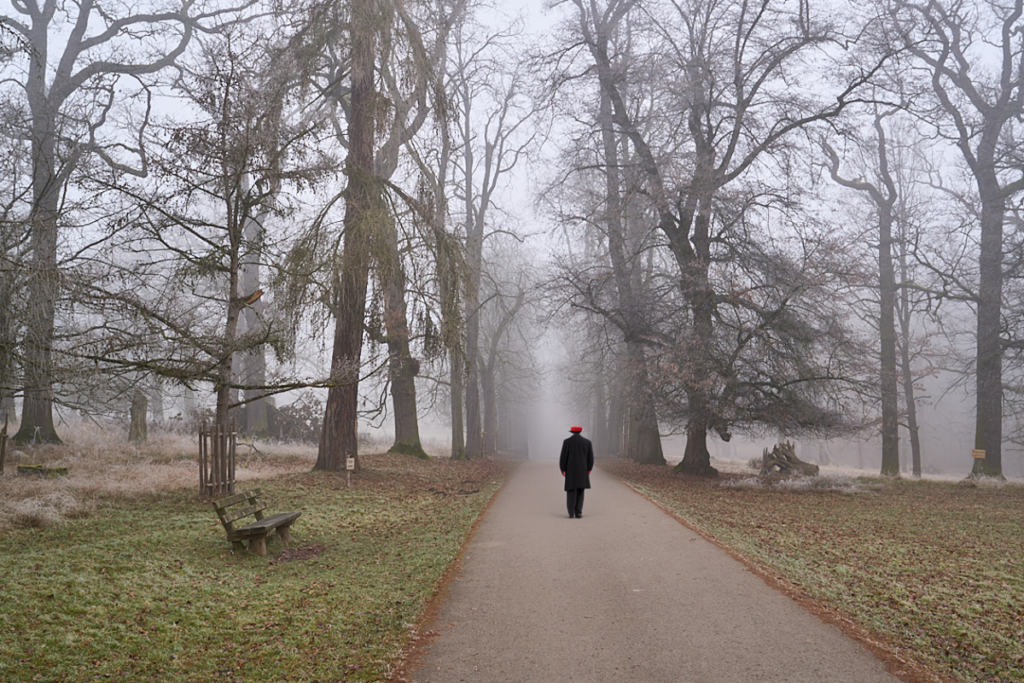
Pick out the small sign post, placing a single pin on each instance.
(350, 464)
(978, 454)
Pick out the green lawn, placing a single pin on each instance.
(147, 589)
(934, 570)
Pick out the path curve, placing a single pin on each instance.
(625, 594)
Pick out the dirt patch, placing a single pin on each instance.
(306, 552)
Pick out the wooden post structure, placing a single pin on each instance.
(217, 448)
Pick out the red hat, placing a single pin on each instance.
(575, 429)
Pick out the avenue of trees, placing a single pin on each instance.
(766, 217)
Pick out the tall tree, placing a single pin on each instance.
(729, 113)
(883, 195)
(978, 109)
(409, 52)
(71, 95)
(74, 94)
(364, 206)
(170, 283)
(253, 365)
(643, 434)
(489, 98)
(421, 63)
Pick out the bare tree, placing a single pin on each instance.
(883, 167)
(170, 283)
(509, 297)
(730, 116)
(492, 114)
(978, 109)
(883, 196)
(73, 95)
(468, 162)
(421, 62)
(364, 206)
(407, 55)
(433, 160)
(613, 280)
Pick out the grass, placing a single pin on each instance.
(934, 570)
(139, 582)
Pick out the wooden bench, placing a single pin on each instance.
(248, 504)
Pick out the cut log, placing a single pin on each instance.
(782, 459)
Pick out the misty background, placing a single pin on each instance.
(695, 228)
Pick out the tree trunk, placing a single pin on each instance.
(697, 288)
(599, 419)
(44, 280)
(989, 419)
(402, 367)
(255, 420)
(339, 438)
(887, 330)
(474, 265)
(782, 458)
(137, 428)
(696, 457)
(474, 444)
(225, 369)
(456, 383)
(449, 288)
(644, 436)
(489, 438)
(616, 425)
(908, 375)
(8, 342)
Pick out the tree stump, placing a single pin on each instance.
(782, 459)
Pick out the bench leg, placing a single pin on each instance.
(258, 545)
(286, 535)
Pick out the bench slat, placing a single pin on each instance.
(235, 499)
(229, 517)
(263, 526)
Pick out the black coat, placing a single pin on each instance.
(576, 461)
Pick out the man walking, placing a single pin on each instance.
(576, 462)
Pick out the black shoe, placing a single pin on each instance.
(579, 516)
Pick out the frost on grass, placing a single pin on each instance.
(102, 463)
(829, 484)
(46, 510)
(745, 483)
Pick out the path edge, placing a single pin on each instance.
(421, 635)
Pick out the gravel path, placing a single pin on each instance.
(625, 594)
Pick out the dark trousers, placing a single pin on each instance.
(574, 502)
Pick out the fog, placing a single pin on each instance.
(583, 217)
